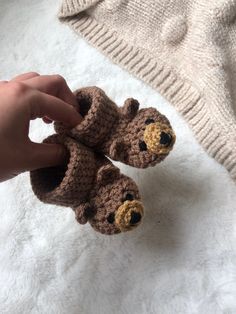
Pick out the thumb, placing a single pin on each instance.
(47, 155)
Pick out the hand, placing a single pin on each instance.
(24, 98)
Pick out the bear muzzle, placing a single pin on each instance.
(159, 138)
(129, 215)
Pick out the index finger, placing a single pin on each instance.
(42, 104)
(54, 85)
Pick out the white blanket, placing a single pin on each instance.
(183, 257)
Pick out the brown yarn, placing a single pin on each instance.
(118, 132)
(92, 186)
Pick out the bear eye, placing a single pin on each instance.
(149, 121)
(111, 218)
(128, 197)
(142, 146)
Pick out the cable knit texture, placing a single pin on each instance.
(92, 186)
(139, 138)
(184, 49)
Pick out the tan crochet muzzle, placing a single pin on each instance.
(129, 215)
(159, 138)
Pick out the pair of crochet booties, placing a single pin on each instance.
(89, 183)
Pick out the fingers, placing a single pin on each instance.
(51, 98)
(46, 155)
(54, 85)
(3, 83)
(43, 105)
(25, 76)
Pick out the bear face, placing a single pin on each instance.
(118, 207)
(115, 205)
(148, 137)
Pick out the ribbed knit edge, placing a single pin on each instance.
(185, 97)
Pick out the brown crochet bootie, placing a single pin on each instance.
(92, 186)
(139, 138)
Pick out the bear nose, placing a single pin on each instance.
(135, 218)
(165, 139)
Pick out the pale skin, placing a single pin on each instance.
(27, 97)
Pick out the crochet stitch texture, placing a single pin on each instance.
(184, 49)
(139, 138)
(92, 186)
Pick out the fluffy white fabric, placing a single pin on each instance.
(183, 257)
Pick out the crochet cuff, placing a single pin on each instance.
(100, 117)
(61, 185)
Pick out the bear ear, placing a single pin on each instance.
(107, 174)
(83, 213)
(117, 150)
(130, 108)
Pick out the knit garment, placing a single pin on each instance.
(184, 49)
(139, 138)
(92, 186)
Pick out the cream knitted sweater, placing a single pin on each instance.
(185, 49)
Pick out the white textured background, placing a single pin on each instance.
(183, 257)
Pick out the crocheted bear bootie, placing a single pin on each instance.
(139, 138)
(92, 186)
